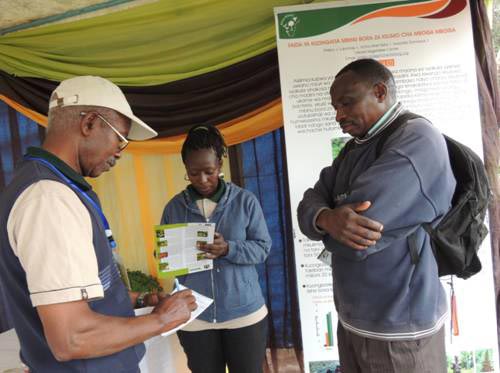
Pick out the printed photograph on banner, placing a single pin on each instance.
(484, 360)
(329, 366)
(475, 361)
(337, 145)
(462, 362)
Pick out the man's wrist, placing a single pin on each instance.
(316, 220)
(140, 301)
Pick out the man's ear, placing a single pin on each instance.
(380, 91)
(87, 124)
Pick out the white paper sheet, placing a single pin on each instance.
(202, 301)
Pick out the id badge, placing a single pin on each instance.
(326, 257)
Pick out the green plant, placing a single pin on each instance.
(141, 282)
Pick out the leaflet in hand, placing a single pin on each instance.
(176, 248)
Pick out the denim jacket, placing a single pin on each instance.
(233, 282)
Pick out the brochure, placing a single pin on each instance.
(176, 248)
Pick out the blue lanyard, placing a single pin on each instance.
(82, 193)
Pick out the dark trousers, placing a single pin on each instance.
(364, 355)
(242, 349)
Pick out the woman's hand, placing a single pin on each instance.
(219, 248)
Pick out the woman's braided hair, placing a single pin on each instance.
(204, 137)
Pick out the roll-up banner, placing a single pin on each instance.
(429, 48)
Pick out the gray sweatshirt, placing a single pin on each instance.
(378, 292)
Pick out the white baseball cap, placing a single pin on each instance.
(97, 91)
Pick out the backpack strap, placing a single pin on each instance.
(401, 120)
(412, 243)
(412, 246)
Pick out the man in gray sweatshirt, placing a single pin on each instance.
(366, 207)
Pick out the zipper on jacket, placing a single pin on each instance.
(213, 296)
(212, 279)
(214, 319)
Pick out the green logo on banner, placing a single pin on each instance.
(313, 22)
(289, 24)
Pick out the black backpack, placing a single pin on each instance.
(456, 238)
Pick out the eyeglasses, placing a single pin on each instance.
(122, 141)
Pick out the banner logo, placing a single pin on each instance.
(289, 23)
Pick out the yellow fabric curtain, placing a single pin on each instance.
(263, 120)
(33, 115)
(249, 126)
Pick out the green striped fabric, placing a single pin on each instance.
(147, 45)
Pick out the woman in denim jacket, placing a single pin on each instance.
(233, 330)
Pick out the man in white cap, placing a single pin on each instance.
(70, 308)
